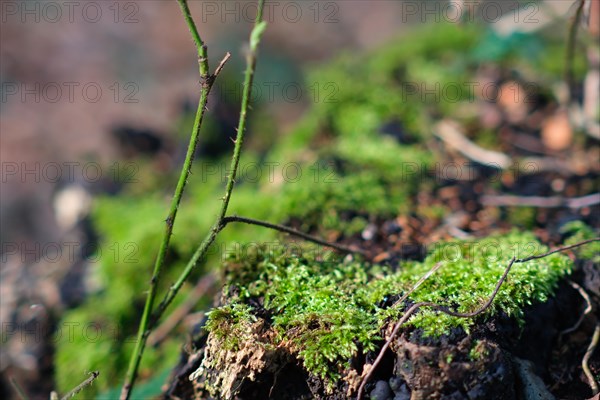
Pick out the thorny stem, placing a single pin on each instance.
(202, 50)
(203, 288)
(255, 35)
(446, 310)
(198, 254)
(207, 82)
(259, 26)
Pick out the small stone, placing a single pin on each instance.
(369, 232)
(403, 393)
(455, 396)
(382, 391)
(396, 383)
(391, 227)
(477, 393)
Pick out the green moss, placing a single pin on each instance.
(522, 217)
(325, 311)
(231, 324)
(323, 202)
(578, 232)
(478, 351)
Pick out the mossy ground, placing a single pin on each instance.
(327, 312)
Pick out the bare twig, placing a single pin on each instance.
(588, 308)
(558, 250)
(81, 386)
(222, 64)
(18, 388)
(436, 307)
(446, 310)
(201, 289)
(255, 36)
(451, 135)
(293, 232)
(541, 202)
(207, 81)
(449, 132)
(419, 283)
(586, 359)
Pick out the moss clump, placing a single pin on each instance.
(231, 324)
(578, 232)
(324, 311)
(478, 351)
(338, 203)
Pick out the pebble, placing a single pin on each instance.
(382, 391)
(396, 383)
(369, 232)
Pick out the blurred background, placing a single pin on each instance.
(97, 99)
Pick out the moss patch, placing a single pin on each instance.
(325, 311)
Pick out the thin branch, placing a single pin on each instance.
(559, 250)
(200, 290)
(294, 232)
(174, 289)
(419, 283)
(586, 359)
(222, 64)
(81, 386)
(449, 132)
(18, 388)
(200, 46)
(255, 36)
(451, 135)
(207, 84)
(446, 310)
(541, 202)
(588, 308)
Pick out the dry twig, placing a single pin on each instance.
(419, 283)
(446, 310)
(588, 308)
(293, 232)
(541, 202)
(586, 359)
(18, 388)
(82, 385)
(163, 330)
(449, 133)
